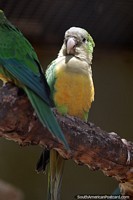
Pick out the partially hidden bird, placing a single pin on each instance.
(69, 77)
(19, 65)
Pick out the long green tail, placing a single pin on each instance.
(46, 116)
(55, 173)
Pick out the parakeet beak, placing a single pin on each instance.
(70, 45)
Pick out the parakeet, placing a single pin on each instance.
(19, 64)
(69, 77)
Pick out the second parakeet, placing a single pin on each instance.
(19, 64)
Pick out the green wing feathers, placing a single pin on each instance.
(46, 115)
(21, 75)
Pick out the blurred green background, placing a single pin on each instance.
(44, 23)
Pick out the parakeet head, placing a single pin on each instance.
(78, 43)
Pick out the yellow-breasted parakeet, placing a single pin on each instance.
(69, 77)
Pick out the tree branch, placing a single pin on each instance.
(89, 144)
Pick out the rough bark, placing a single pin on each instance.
(89, 144)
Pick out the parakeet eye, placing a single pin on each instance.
(84, 40)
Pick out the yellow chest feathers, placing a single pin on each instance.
(74, 87)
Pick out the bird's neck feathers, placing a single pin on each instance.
(80, 53)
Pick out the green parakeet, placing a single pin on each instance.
(19, 64)
(70, 80)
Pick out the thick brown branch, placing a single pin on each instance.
(89, 144)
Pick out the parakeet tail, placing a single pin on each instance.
(55, 173)
(46, 116)
(43, 161)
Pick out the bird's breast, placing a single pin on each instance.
(73, 65)
(74, 86)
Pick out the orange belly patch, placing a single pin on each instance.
(74, 91)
